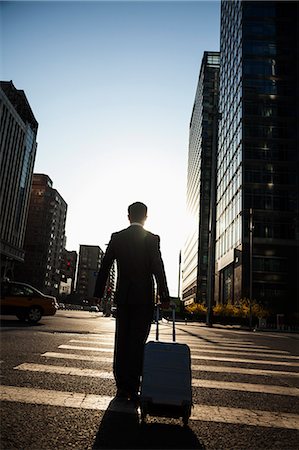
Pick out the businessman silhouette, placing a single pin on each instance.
(138, 257)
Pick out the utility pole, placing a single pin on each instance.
(179, 282)
(250, 265)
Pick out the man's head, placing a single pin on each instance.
(137, 212)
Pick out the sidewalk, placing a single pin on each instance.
(220, 326)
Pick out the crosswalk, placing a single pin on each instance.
(234, 360)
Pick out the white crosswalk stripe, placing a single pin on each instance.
(196, 382)
(204, 368)
(203, 348)
(249, 361)
(201, 357)
(101, 402)
(211, 349)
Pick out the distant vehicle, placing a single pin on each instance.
(26, 302)
(94, 309)
(61, 305)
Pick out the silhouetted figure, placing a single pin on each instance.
(138, 257)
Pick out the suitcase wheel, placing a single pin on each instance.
(143, 417)
(143, 414)
(186, 415)
(185, 420)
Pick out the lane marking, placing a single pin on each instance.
(92, 342)
(100, 403)
(77, 357)
(92, 349)
(242, 416)
(205, 347)
(243, 371)
(249, 361)
(247, 387)
(208, 358)
(62, 370)
(246, 353)
(196, 382)
(204, 368)
(184, 340)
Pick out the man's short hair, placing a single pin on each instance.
(137, 211)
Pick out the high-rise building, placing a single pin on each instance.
(44, 238)
(257, 161)
(18, 131)
(90, 258)
(201, 183)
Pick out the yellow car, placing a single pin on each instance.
(25, 302)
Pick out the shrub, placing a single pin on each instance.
(228, 312)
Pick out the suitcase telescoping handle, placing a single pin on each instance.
(157, 321)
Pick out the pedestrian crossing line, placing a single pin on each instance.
(77, 357)
(244, 352)
(196, 382)
(252, 361)
(102, 338)
(203, 368)
(247, 387)
(234, 346)
(206, 413)
(243, 371)
(205, 347)
(209, 348)
(63, 370)
(257, 418)
(92, 349)
(248, 361)
(253, 350)
(180, 336)
(91, 342)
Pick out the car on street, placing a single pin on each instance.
(26, 302)
(94, 308)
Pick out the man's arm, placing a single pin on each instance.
(104, 271)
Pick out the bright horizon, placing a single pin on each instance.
(112, 86)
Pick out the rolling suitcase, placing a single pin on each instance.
(166, 379)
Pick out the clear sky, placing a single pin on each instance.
(112, 86)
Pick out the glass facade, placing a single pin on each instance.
(200, 179)
(257, 164)
(18, 131)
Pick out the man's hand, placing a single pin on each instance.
(165, 303)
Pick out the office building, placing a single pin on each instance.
(257, 161)
(90, 258)
(201, 183)
(44, 238)
(18, 131)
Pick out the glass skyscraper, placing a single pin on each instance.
(18, 132)
(257, 161)
(201, 181)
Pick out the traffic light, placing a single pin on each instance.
(68, 265)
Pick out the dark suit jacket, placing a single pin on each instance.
(138, 257)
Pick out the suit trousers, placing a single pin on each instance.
(133, 324)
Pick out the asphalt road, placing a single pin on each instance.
(57, 388)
